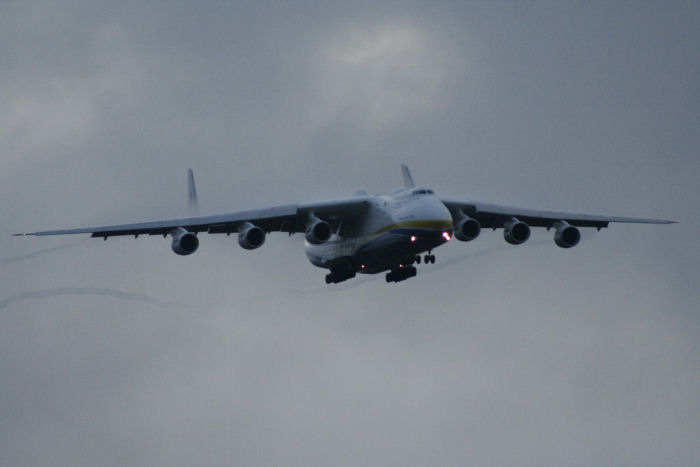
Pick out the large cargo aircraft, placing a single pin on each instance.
(366, 234)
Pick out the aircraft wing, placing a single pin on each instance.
(494, 216)
(286, 218)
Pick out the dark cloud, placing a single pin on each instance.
(495, 355)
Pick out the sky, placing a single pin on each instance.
(123, 353)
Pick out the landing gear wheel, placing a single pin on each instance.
(427, 259)
(432, 259)
(400, 274)
(417, 259)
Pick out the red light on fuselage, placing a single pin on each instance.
(446, 236)
(413, 238)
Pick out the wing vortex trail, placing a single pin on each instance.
(476, 254)
(83, 291)
(14, 259)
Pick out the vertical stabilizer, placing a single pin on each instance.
(407, 179)
(191, 190)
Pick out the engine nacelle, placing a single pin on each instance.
(251, 236)
(516, 232)
(318, 231)
(467, 229)
(184, 242)
(566, 235)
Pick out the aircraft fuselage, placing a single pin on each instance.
(393, 231)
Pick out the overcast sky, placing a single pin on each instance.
(123, 353)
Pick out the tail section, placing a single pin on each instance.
(407, 179)
(191, 191)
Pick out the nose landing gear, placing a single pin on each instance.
(427, 259)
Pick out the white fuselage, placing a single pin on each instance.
(391, 232)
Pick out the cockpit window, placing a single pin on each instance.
(422, 192)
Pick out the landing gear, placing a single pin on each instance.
(427, 259)
(337, 277)
(340, 274)
(401, 274)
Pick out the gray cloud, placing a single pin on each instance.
(495, 355)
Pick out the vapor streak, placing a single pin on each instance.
(458, 259)
(14, 259)
(82, 291)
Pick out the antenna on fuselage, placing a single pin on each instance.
(191, 191)
(407, 179)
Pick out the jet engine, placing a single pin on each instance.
(184, 242)
(251, 236)
(318, 231)
(516, 232)
(566, 235)
(467, 229)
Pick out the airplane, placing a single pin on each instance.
(365, 234)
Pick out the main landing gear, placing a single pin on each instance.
(338, 277)
(340, 274)
(401, 274)
(405, 271)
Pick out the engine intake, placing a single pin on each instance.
(516, 232)
(467, 229)
(184, 242)
(318, 231)
(566, 235)
(251, 236)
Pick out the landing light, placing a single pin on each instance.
(413, 238)
(446, 236)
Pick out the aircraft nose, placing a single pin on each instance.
(441, 211)
(439, 214)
